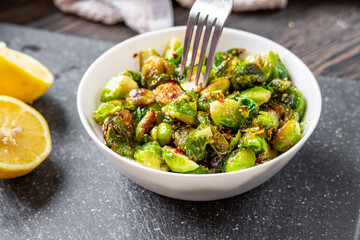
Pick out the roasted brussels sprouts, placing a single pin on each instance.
(145, 125)
(234, 141)
(246, 75)
(287, 136)
(177, 161)
(190, 85)
(227, 113)
(145, 55)
(255, 143)
(279, 85)
(105, 110)
(140, 97)
(167, 93)
(218, 141)
(157, 108)
(206, 98)
(164, 133)
(259, 94)
(180, 136)
(183, 109)
(240, 159)
(197, 141)
(222, 84)
(295, 100)
(270, 65)
(249, 108)
(152, 69)
(150, 155)
(136, 76)
(267, 120)
(173, 44)
(118, 88)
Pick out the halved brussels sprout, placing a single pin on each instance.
(173, 44)
(118, 88)
(267, 120)
(222, 84)
(195, 144)
(150, 155)
(218, 141)
(167, 93)
(183, 109)
(270, 65)
(200, 170)
(279, 85)
(105, 110)
(227, 113)
(190, 85)
(246, 75)
(145, 125)
(157, 108)
(234, 141)
(153, 68)
(206, 98)
(287, 136)
(241, 158)
(177, 161)
(140, 97)
(248, 108)
(259, 94)
(180, 136)
(164, 133)
(145, 55)
(255, 143)
(296, 101)
(136, 76)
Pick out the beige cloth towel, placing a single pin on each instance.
(145, 15)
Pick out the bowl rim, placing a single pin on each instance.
(311, 127)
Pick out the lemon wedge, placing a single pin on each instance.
(22, 76)
(24, 138)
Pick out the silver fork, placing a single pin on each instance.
(212, 14)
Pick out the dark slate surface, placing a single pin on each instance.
(78, 194)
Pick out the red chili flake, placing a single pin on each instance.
(135, 55)
(270, 66)
(205, 99)
(177, 150)
(169, 80)
(175, 55)
(220, 100)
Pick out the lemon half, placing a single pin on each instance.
(22, 76)
(24, 138)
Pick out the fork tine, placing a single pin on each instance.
(199, 29)
(208, 29)
(189, 30)
(214, 42)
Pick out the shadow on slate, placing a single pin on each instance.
(78, 194)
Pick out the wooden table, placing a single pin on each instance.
(324, 34)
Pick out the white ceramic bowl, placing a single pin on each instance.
(191, 186)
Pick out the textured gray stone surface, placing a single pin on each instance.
(78, 194)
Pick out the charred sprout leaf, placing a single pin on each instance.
(240, 159)
(222, 84)
(206, 98)
(267, 120)
(255, 143)
(118, 88)
(145, 125)
(219, 58)
(136, 76)
(171, 49)
(246, 75)
(145, 55)
(218, 142)
(203, 117)
(105, 110)
(279, 85)
(183, 109)
(180, 136)
(287, 136)
(259, 94)
(249, 108)
(164, 133)
(270, 65)
(140, 97)
(234, 141)
(303, 125)
(150, 155)
(197, 141)
(157, 108)
(295, 100)
(153, 68)
(177, 161)
(217, 164)
(227, 113)
(167, 93)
